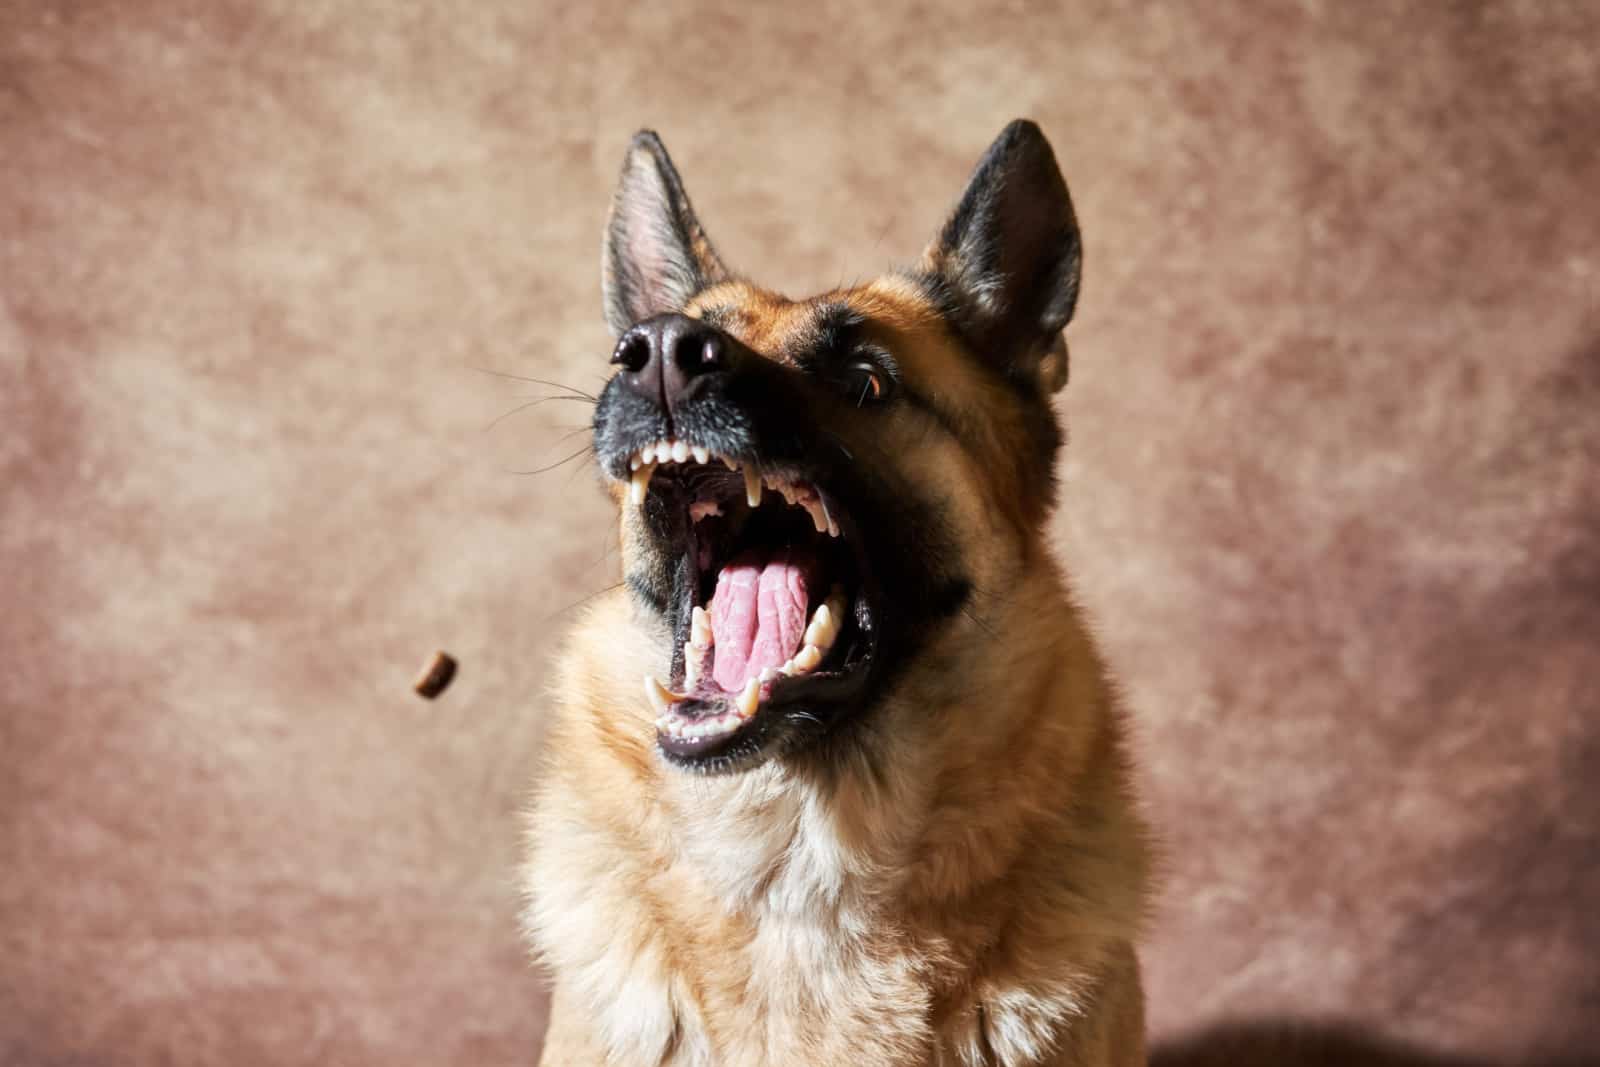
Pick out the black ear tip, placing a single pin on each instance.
(1023, 138)
(649, 141)
(1022, 129)
(647, 154)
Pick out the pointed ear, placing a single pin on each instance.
(1010, 257)
(656, 255)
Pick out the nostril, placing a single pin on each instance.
(697, 352)
(633, 353)
(711, 351)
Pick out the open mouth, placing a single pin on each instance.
(779, 623)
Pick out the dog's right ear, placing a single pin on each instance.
(1010, 258)
(656, 255)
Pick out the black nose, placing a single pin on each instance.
(667, 356)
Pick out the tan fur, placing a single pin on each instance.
(972, 899)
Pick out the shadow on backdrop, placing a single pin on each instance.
(1299, 1044)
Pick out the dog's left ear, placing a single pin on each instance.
(656, 255)
(1010, 258)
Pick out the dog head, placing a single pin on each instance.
(814, 492)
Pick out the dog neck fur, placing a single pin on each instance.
(819, 879)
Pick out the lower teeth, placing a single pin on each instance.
(821, 632)
(698, 729)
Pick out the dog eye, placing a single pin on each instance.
(865, 384)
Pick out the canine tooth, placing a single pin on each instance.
(752, 486)
(702, 455)
(680, 452)
(818, 515)
(822, 629)
(700, 628)
(835, 606)
(640, 483)
(833, 527)
(808, 658)
(661, 698)
(748, 699)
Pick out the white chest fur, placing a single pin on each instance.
(767, 936)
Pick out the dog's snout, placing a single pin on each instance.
(665, 356)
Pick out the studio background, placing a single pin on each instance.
(1332, 496)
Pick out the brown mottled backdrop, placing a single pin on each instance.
(1333, 494)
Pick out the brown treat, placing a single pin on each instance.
(436, 676)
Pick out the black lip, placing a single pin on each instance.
(782, 715)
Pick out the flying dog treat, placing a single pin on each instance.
(436, 676)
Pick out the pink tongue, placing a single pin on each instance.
(758, 614)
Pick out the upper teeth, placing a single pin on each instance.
(644, 462)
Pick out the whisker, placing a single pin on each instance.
(532, 404)
(984, 626)
(978, 590)
(561, 396)
(585, 449)
(585, 600)
(573, 474)
(840, 445)
(575, 431)
(537, 381)
(605, 553)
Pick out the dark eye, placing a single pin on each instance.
(865, 383)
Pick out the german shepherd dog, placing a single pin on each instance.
(838, 777)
